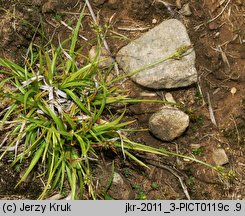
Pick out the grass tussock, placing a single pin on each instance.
(55, 119)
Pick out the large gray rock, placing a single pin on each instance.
(159, 43)
(168, 123)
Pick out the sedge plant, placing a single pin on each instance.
(55, 119)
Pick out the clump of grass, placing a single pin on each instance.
(198, 151)
(56, 118)
(58, 16)
(154, 186)
(127, 172)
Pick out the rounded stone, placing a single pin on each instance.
(168, 123)
(219, 156)
(186, 10)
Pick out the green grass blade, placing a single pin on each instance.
(57, 120)
(136, 159)
(60, 166)
(53, 171)
(33, 163)
(26, 97)
(73, 84)
(109, 125)
(16, 69)
(111, 178)
(48, 72)
(8, 114)
(3, 81)
(102, 106)
(110, 99)
(74, 41)
(73, 183)
(72, 77)
(70, 121)
(83, 145)
(49, 143)
(81, 183)
(63, 168)
(128, 144)
(77, 101)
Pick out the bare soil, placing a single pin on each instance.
(218, 35)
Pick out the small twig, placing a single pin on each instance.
(211, 112)
(183, 185)
(116, 67)
(52, 24)
(95, 20)
(200, 91)
(101, 35)
(148, 94)
(64, 52)
(5, 139)
(213, 19)
(18, 141)
(237, 131)
(171, 170)
(14, 22)
(78, 2)
(70, 28)
(12, 148)
(167, 5)
(91, 10)
(122, 143)
(71, 13)
(133, 29)
(224, 58)
(118, 34)
(223, 55)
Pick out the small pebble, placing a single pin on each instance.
(186, 10)
(169, 98)
(217, 34)
(233, 91)
(117, 179)
(219, 156)
(178, 4)
(195, 146)
(148, 94)
(154, 21)
(213, 26)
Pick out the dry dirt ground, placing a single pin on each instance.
(217, 31)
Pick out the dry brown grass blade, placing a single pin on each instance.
(211, 112)
(213, 19)
(225, 59)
